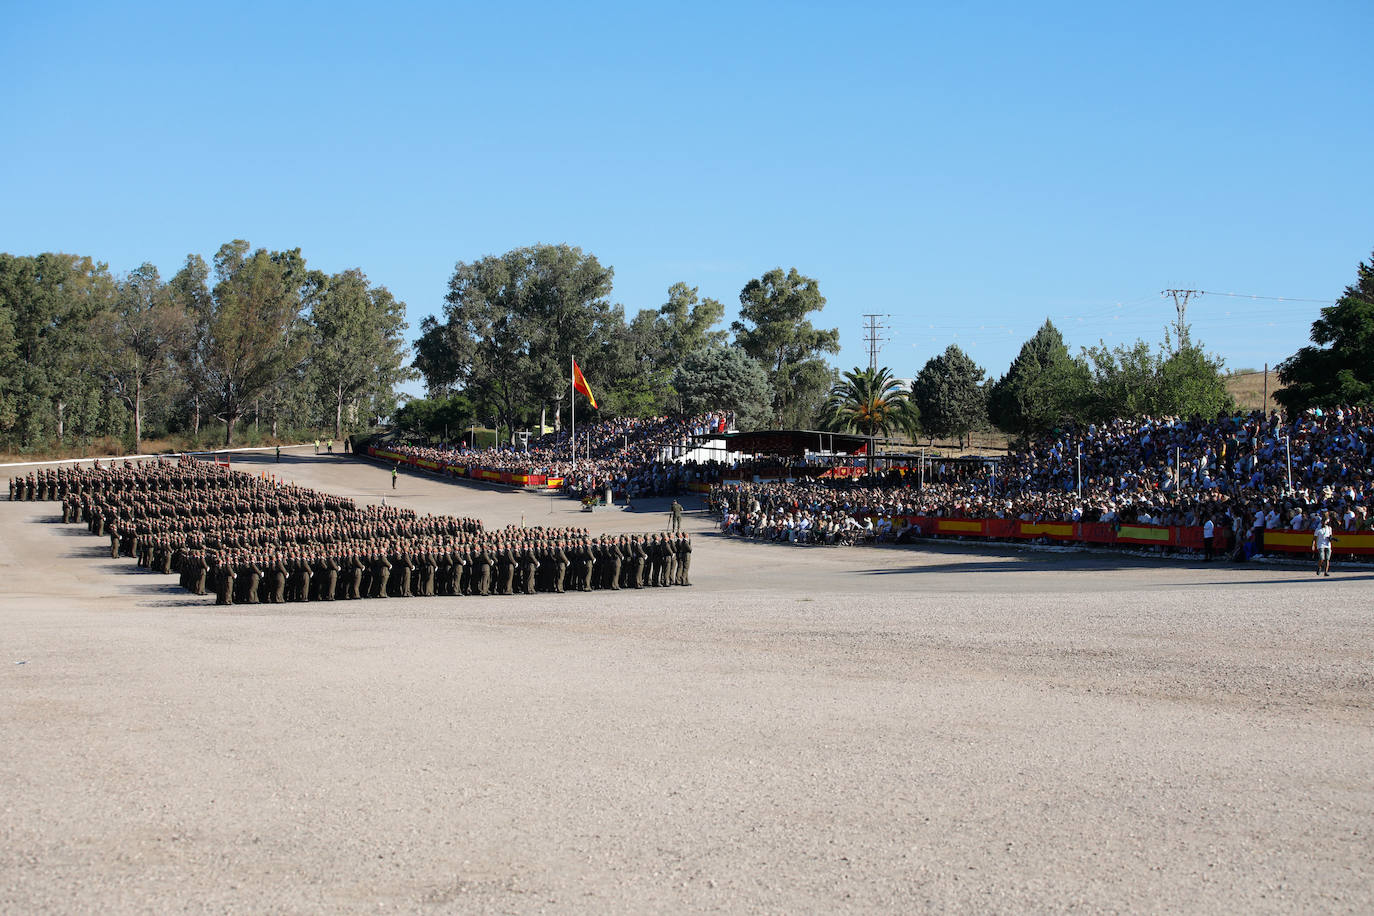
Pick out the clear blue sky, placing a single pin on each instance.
(967, 172)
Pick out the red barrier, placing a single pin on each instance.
(509, 478)
(1358, 543)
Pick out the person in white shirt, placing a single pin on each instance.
(1321, 545)
(1208, 532)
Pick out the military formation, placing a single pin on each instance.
(250, 540)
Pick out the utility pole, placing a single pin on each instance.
(1181, 297)
(874, 341)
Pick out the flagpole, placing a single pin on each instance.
(572, 405)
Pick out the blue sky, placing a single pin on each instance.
(965, 172)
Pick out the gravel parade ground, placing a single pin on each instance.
(804, 730)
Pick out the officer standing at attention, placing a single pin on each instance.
(677, 516)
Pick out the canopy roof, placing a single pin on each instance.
(793, 443)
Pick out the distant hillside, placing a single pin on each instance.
(1248, 386)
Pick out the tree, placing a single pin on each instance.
(724, 378)
(51, 300)
(255, 332)
(567, 313)
(1135, 381)
(656, 342)
(444, 356)
(513, 324)
(142, 335)
(9, 362)
(949, 393)
(435, 418)
(1043, 388)
(871, 402)
(189, 291)
(1192, 383)
(685, 321)
(773, 328)
(1339, 369)
(357, 348)
(1125, 381)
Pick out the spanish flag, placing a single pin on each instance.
(580, 383)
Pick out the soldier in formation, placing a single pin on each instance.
(251, 541)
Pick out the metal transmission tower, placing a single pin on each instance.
(1181, 297)
(875, 342)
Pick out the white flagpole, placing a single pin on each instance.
(572, 405)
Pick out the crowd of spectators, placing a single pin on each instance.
(1234, 471)
(1246, 473)
(632, 456)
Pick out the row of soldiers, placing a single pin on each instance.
(145, 475)
(248, 540)
(40, 485)
(503, 564)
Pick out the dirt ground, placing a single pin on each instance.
(804, 730)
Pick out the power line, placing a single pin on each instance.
(1272, 298)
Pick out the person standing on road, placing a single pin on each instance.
(1321, 545)
(677, 516)
(395, 472)
(1208, 532)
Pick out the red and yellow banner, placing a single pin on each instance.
(1295, 542)
(509, 478)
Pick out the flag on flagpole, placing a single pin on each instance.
(580, 383)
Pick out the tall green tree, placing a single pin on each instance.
(256, 334)
(142, 335)
(512, 325)
(1043, 388)
(10, 368)
(444, 356)
(949, 393)
(687, 323)
(1339, 368)
(51, 300)
(569, 314)
(774, 329)
(724, 378)
(871, 402)
(657, 341)
(358, 349)
(189, 291)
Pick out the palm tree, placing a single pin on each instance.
(871, 402)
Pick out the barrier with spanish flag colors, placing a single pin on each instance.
(1360, 543)
(453, 469)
